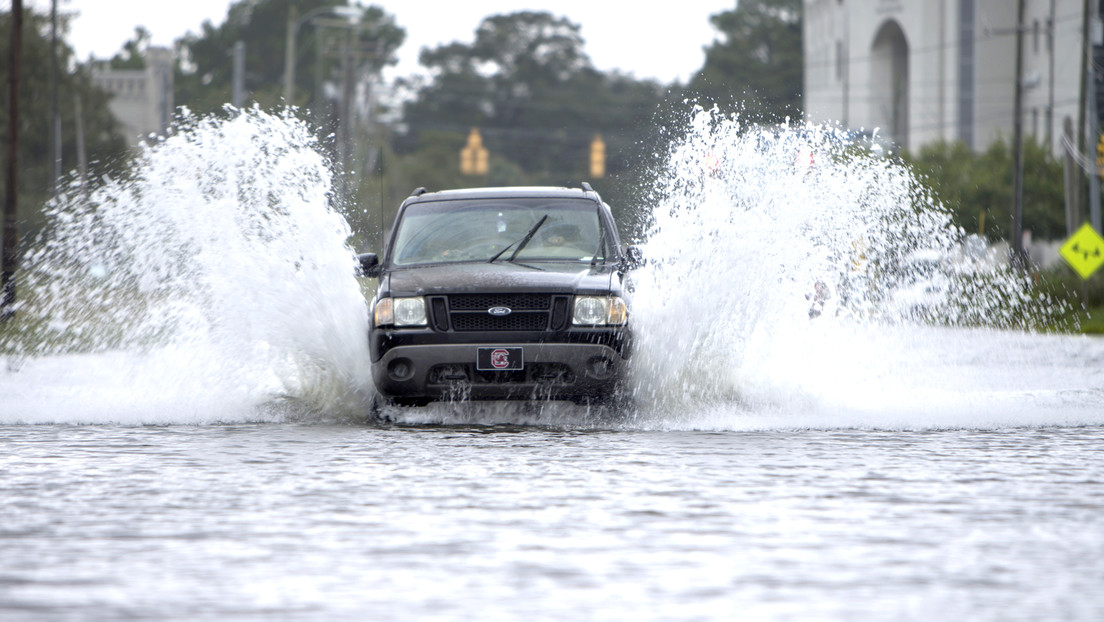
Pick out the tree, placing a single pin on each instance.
(527, 83)
(977, 188)
(205, 73)
(756, 68)
(105, 146)
(524, 80)
(133, 54)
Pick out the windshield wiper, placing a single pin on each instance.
(520, 243)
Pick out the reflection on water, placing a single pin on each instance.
(307, 522)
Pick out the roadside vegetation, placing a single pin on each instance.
(1084, 297)
(104, 145)
(977, 189)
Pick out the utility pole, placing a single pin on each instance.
(289, 54)
(1079, 188)
(1094, 177)
(345, 108)
(1050, 78)
(237, 97)
(8, 255)
(846, 68)
(294, 22)
(344, 42)
(82, 155)
(1094, 127)
(1019, 260)
(1072, 177)
(55, 117)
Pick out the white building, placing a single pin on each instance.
(926, 70)
(142, 99)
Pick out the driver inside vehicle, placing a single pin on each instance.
(563, 240)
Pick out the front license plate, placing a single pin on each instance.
(500, 359)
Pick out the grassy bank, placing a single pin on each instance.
(1084, 297)
(1093, 324)
(1089, 321)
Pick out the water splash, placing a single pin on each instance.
(219, 267)
(791, 265)
(215, 283)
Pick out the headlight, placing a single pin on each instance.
(401, 311)
(410, 312)
(600, 310)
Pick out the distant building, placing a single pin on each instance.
(142, 99)
(942, 69)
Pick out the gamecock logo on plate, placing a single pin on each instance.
(500, 358)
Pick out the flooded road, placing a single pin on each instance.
(967, 484)
(296, 521)
(183, 432)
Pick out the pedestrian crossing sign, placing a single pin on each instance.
(1084, 251)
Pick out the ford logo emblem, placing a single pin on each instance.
(499, 311)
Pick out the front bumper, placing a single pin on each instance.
(426, 372)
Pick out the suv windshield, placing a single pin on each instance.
(435, 232)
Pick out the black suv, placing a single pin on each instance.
(501, 294)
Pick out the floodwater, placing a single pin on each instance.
(309, 522)
(192, 443)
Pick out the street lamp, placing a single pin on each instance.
(293, 25)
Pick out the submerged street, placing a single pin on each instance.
(342, 522)
(196, 445)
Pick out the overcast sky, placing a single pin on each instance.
(660, 40)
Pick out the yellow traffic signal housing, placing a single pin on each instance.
(1100, 156)
(473, 157)
(597, 157)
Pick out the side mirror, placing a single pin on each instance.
(634, 258)
(369, 264)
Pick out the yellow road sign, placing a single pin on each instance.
(1084, 251)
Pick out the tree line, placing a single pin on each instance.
(524, 79)
(82, 111)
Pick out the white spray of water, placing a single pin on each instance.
(220, 269)
(793, 271)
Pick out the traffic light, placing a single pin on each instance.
(1100, 156)
(473, 157)
(597, 157)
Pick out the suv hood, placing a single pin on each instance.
(502, 277)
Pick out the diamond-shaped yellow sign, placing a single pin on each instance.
(1084, 251)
